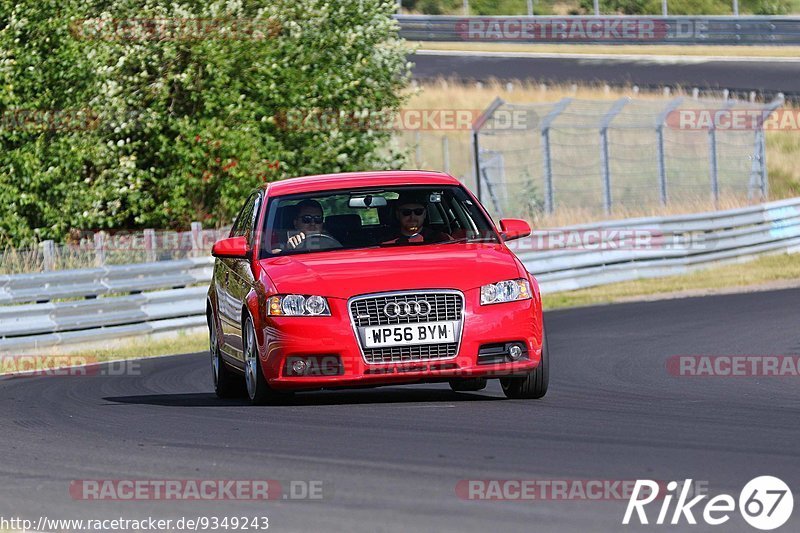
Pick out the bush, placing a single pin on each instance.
(183, 128)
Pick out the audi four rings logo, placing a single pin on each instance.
(407, 309)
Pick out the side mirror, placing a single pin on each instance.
(233, 247)
(514, 228)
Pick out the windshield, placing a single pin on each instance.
(363, 218)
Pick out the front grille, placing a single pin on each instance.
(401, 354)
(445, 306)
(369, 311)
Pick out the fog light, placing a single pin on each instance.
(514, 352)
(299, 367)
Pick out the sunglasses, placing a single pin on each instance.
(309, 219)
(407, 212)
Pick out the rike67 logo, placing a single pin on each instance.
(765, 503)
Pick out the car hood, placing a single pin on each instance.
(346, 273)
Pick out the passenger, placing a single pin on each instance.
(411, 213)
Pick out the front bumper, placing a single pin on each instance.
(333, 337)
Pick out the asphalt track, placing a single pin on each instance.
(765, 76)
(393, 456)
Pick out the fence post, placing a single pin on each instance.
(446, 154)
(605, 167)
(761, 145)
(197, 238)
(712, 154)
(150, 245)
(547, 162)
(48, 255)
(662, 169)
(477, 162)
(763, 157)
(476, 128)
(100, 248)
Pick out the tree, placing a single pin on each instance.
(179, 105)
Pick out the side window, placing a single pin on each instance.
(252, 219)
(243, 226)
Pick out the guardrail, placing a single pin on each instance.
(118, 301)
(722, 30)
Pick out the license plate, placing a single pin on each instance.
(409, 334)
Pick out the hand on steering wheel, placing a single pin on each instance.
(320, 241)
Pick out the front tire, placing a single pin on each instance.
(226, 383)
(532, 386)
(258, 390)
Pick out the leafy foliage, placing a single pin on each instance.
(178, 129)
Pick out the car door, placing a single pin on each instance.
(229, 305)
(241, 279)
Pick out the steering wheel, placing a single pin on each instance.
(321, 241)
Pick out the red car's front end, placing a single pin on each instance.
(407, 280)
(358, 285)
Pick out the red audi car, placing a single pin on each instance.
(372, 278)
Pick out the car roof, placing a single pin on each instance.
(353, 180)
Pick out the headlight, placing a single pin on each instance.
(297, 305)
(505, 291)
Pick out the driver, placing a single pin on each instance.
(307, 221)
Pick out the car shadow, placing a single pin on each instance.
(386, 395)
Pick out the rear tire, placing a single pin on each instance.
(532, 386)
(226, 383)
(468, 385)
(258, 390)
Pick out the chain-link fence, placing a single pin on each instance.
(598, 156)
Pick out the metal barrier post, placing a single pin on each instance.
(777, 102)
(150, 245)
(712, 155)
(604, 159)
(544, 127)
(476, 128)
(48, 255)
(477, 161)
(197, 238)
(100, 249)
(418, 149)
(662, 170)
(446, 154)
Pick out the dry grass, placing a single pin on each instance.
(653, 50)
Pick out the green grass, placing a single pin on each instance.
(759, 272)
